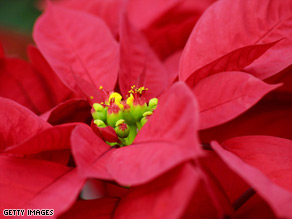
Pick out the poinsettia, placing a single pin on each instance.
(272, 192)
(258, 170)
(34, 84)
(34, 156)
(163, 167)
(212, 49)
(166, 25)
(233, 95)
(155, 149)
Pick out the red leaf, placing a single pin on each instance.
(172, 64)
(265, 118)
(74, 110)
(37, 184)
(102, 208)
(284, 92)
(169, 30)
(218, 196)
(90, 52)
(167, 139)
(109, 11)
(278, 198)
(21, 83)
(59, 195)
(225, 95)
(224, 27)
(142, 18)
(17, 123)
(236, 60)
(90, 153)
(107, 133)
(165, 197)
(233, 187)
(269, 154)
(138, 58)
(55, 88)
(54, 138)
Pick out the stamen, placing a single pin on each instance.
(125, 117)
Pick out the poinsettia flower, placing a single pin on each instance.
(82, 68)
(232, 49)
(28, 183)
(231, 189)
(34, 84)
(34, 157)
(256, 162)
(216, 35)
(268, 117)
(154, 144)
(166, 25)
(85, 58)
(237, 99)
(185, 139)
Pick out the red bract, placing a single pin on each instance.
(225, 27)
(168, 25)
(165, 24)
(33, 85)
(158, 149)
(137, 57)
(278, 198)
(270, 155)
(102, 208)
(171, 191)
(94, 59)
(28, 144)
(226, 95)
(18, 123)
(231, 190)
(163, 173)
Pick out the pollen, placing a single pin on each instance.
(130, 100)
(116, 98)
(135, 90)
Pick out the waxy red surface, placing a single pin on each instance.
(235, 88)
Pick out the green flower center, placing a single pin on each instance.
(125, 117)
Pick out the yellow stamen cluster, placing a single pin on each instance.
(137, 90)
(117, 98)
(127, 117)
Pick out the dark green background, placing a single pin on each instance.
(18, 14)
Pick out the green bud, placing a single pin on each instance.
(153, 103)
(122, 129)
(100, 112)
(145, 119)
(128, 117)
(99, 123)
(97, 107)
(113, 117)
(137, 111)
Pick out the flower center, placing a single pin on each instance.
(118, 121)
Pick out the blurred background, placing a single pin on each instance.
(16, 23)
